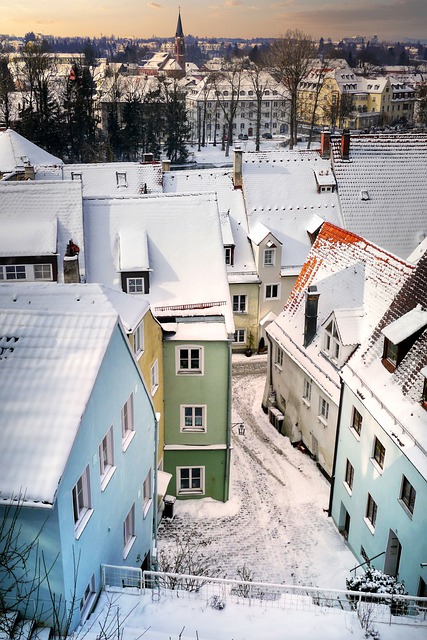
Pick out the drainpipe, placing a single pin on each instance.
(269, 370)
(334, 464)
(154, 558)
(228, 450)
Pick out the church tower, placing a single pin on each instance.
(179, 46)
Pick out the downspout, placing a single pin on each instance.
(154, 558)
(269, 371)
(334, 464)
(228, 446)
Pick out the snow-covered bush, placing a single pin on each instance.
(375, 581)
(216, 602)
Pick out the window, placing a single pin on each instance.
(42, 272)
(323, 409)
(121, 178)
(371, 511)
(106, 458)
(138, 339)
(193, 418)
(82, 502)
(190, 360)
(128, 428)
(279, 356)
(76, 176)
(88, 594)
(306, 394)
(356, 421)
(424, 397)
(191, 480)
(129, 532)
(379, 453)
(240, 336)
(269, 257)
(390, 352)
(349, 475)
(239, 304)
(147, 493)
(154, 377)
(408, 494)
(15, 272)
(229, 256)
(135, 285)
(331, 345)
(272, 291)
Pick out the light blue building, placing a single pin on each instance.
(78, 434)
(379, 489)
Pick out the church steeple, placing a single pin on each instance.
(179, 46)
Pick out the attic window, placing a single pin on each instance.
(121, 178)
(331, 344)
(364, 195)
(76, 176)
(400, 336)
(424, 396)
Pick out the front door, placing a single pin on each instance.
(392, 555)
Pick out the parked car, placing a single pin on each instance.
(267, 136)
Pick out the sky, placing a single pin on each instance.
(389, 19)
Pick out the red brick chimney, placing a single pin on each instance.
(325, 144)
(345, 144)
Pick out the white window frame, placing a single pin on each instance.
(129, 535)
(87, 599)
(28, 271)
(82, 502)
(306, 391)
(240, 300)
(331, 342)
(106, 458)
(324, 408)
(279, 357)
(128, 422)
(147, 493)
(371, 513)
(268, 290)
(349, 476)
(240, 336)
(191, 358)
(191, 415)
(269, 257)
(154, 376)
(190, 490)
(45, 267)
(138, 339)
(121, 177)
(228, 256)
(135, 286)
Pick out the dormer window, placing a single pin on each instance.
(229, 256)
(424, 396)
(400, 335)
(331, 343)
(270, 255)
(390, 353)
(121, 178)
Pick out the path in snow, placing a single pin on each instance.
(275, 522)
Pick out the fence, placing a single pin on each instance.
(378, 607)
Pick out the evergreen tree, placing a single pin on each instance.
(176, 125)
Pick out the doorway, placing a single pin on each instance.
(392, 555)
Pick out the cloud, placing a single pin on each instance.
(154, 5)
(233, 3)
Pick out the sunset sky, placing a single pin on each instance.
(389, 19)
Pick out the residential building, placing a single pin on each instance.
(344, 288)
(379, 488)
(78, 450)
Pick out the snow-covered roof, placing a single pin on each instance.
(30, 208)
(48, 366)
(405, 326)
(133, 256)
(116, 178)
(391, 168)
(351, 274)
(16, 152)
(188, 275)
(281, 193)
(232, 210)
(394, 397)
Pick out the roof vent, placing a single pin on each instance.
(364, 195)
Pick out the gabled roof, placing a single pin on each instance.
(351, 274)
(116, 178)
(394, 398)
(47, 376)
(281, 193)
(391, 168)
(16, 152)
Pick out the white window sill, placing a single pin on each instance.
(88, 608)
(240, 313)
(147, 508)
(322, 421)
(278, 366)
(193, 430)
(105, 479)
(376, 466)
(405, 508)
(369, 525)
(191, 492)
(348, 489)
(139, 354)
(81, 524)
(127, 440)
(354, 433)
(128, 547)
(306, 402)
(154, 389)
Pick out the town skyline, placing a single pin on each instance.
(388, 19)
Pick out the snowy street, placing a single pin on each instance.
(275, 522)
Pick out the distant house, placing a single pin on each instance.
(379, 488)
(21, 159)
(78, 447)
(344, 287)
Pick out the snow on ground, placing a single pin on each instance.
(215, 155)
(276, 520)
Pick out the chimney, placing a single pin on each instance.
(345, 144)
(237, 168)
(166, 165)
(71, 264)
(29, 173)
(325, 144)
(310, 321)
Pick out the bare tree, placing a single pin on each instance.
(227, 89)
(7, 87)
(290, 60)
(261, 81)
